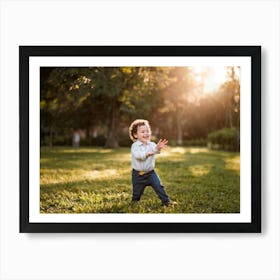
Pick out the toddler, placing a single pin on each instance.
(143, 153)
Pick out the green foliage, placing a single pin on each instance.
(225, 139)
(108, 99)
(195, 143)
(190, 143)
(88, 97)
(93, 141)
(62, 140)
(97, 180)
(124, 140)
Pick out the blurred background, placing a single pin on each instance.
(94, 106)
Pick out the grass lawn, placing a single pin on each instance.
(97, 180)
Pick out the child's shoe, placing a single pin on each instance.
(134, 202)
(170, 203)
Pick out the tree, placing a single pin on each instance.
(53, 103)
(179, 97)
(230, 96)
(103, 96)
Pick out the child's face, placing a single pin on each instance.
(143, 134)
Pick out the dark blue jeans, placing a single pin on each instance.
(140, 182)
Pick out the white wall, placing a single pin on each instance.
(139, 256)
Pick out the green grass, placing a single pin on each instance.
(97, 180)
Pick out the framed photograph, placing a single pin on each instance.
(135, 139)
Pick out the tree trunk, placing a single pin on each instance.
(88, 136)
(51, 136)
(229, 114)
(112, 139)
(179, 132)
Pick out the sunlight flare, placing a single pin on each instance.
(211, 78)
(103, 174)
(200, 170)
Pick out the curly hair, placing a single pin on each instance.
(134, 126)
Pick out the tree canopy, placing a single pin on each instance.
(103, 101)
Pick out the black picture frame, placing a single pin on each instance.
(254, 52)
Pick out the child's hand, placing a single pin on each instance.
(162, 144)
(150, 154)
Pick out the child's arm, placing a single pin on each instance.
(141, 155)
(160, 145)
(137, 153)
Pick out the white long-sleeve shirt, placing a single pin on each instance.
(139, 159)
